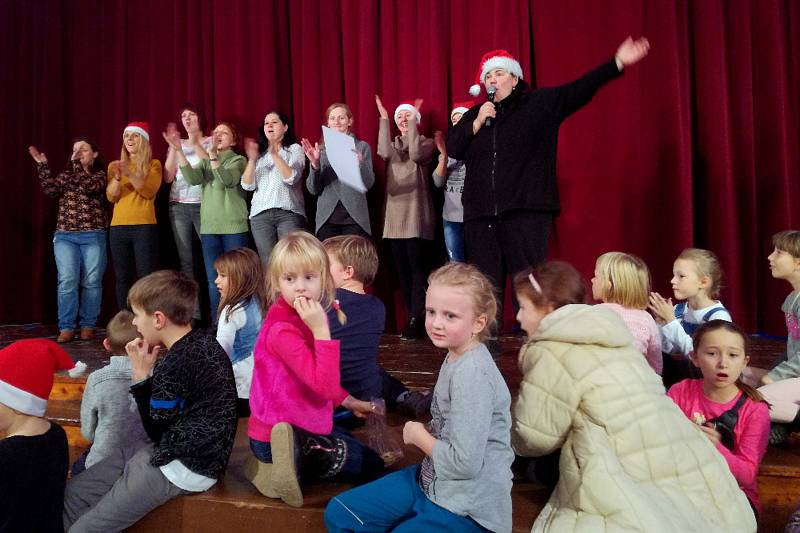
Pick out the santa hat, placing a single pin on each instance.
(142, 128)
(492, 60)
(26, 374)
(408, 105)
(461, 107)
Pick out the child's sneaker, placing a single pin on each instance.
(778, 433)
(285, 462)
(414, 404)
(259, 474)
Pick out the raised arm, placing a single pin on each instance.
(440, 172)
(248, 176)
(385, 148)
(229, 172)
(420, 149)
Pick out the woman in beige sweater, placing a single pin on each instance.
(409, 219)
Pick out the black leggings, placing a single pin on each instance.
(134, 250)
(409, 259)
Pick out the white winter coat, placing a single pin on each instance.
(630, 459)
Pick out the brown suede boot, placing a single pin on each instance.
(285, 462)
(66, 335)
(260, 475)
(87, 334)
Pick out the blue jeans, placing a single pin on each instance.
(214, 245)
(271, 225)
(185, 221)
(454, 240)
(393, 503)
(81, 262)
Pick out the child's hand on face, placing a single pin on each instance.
(712, 434)
(661, 308)
(312, 313)
(143, 359)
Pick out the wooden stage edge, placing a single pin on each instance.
(234, 505)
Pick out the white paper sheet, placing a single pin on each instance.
(340, 149)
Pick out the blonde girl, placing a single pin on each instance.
(622, 282)
(464, 481)
(629, 457)
(240, 281)
(730, 413)
(295, 382)
(133, 182)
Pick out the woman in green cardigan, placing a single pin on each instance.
(223, 210)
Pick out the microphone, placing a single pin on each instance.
(490, 90)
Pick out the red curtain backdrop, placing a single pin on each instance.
(696, 146)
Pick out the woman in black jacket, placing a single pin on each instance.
(509, 147)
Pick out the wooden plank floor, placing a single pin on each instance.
(235, 503)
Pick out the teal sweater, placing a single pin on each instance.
(223, 209)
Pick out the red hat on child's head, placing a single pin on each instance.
(492, 60)
(142, 128)
(26, 374)
(408, 105)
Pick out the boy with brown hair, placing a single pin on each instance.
(187, 407)
(354, 264)
(109, 418)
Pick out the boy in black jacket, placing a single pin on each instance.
(188, 409)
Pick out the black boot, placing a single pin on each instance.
(415, 329)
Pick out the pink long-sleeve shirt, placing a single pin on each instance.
(751, 433)
(295, 377)
(644, 330)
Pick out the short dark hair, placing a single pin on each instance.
(120, 331)
(201, 117)
(168, 291)
(98, 164)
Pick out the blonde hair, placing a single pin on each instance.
(627, 278)
(245, 275)
(141, 162)
(301, 251)
(788, 241)
(120, 331)
(170, 292)
(355, 251)
(476, 284)
(707, 265)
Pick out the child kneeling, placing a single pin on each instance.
(464, 482)
(187, 406)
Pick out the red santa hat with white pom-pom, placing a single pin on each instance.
(408, 105)
(142, 128)
(492, 60)
(26, 373)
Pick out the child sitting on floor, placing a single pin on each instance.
(296, 381)
(630, 459)
(33, 452)
(622, 282)
(187, 403)
(354, 263)
(731, 414)
(781, 385)
(696, 279)
(464, 482)
(240, 282)
(109, 418)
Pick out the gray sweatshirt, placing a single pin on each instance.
(789, 365)
(109, 417)
(469, 473)
(456, 172)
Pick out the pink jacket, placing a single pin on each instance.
(751, 433)
(295, 378)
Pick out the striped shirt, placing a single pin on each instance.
(272, 189)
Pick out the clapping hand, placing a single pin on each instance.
(381, 110)
(661, 308)
(438, 138)
(37, 156)
(172, 137)
(311, 151)
(251, 148)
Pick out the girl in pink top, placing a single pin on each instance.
(295, 382)
(622, 282)
(733, 415)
